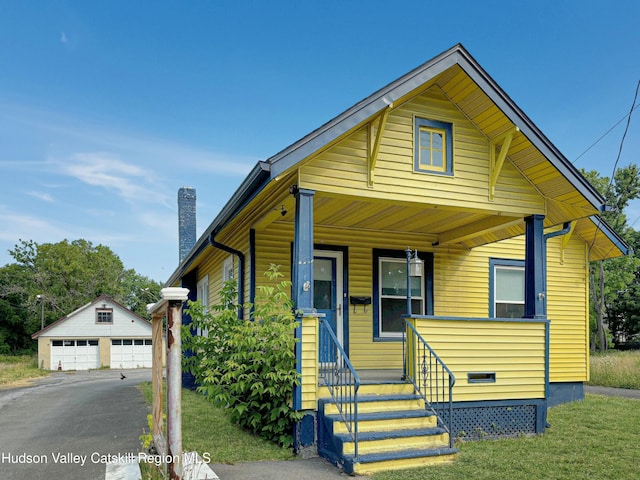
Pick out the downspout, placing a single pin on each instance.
(240, 255)
(566, 228)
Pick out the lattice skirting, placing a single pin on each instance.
(478, 420)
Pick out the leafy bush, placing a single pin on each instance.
(248, 367)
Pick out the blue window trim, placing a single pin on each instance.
(427, 258)
(447, 127)
(500, 262)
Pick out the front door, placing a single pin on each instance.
(328, 293)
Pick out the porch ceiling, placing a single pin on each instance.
(465, 228)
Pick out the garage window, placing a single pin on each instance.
(56, 343)
(104, 315)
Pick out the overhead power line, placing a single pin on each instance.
(627, 116)
(615, 165)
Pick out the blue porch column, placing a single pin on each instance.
(534, 268)
(189, 281)
(302, 271)
(302, 274)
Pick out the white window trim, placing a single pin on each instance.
(496, 300)
(382, 333)
(203, 296)
(227, 267)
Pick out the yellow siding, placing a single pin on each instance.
(309, 380)
(342, 169)
(461, 289)
(514, 351)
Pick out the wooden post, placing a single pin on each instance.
(171, 306)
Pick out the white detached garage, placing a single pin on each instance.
(100, 334)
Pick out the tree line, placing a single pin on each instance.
(50, 280)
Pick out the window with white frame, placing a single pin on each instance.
(507, 287)
(227, 269)
(392, 292)
(203, 296)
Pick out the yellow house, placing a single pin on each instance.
(437, 187)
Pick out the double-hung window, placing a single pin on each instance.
(203, 297)
(390, 287)
(507, 286)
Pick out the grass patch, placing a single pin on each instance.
(206, 428)
(616, 369)
(17, 368)
(597, 439)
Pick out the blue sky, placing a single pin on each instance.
(107, 108)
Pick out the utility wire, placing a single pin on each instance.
(615, 165)
(606, 133)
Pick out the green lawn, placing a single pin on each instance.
(15, 369)
(206, 428)
(598, 438)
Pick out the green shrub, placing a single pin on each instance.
(248, 367)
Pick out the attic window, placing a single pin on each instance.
(104, 315)
(433, 142)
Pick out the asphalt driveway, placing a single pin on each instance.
(69, 424)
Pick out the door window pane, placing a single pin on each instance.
(323, 284)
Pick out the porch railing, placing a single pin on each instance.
(429, 375)
(339, 376)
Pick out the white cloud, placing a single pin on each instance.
(17, 226)
(42, 196)
(131, 182)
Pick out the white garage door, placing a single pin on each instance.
(75, 354)
(131, 353)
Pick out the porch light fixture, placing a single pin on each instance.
(414, 269)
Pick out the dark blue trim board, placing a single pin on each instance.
(534, 262)
(252, 268)
(190, 281)
(565, 392)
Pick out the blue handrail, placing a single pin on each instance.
(341, 379)
(427, 372)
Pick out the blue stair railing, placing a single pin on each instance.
(431, 378)
(339, 376)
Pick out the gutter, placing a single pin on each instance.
(566, 227)
(241, 263)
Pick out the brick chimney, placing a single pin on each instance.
(186, 220)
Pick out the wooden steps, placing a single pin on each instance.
(394, 432)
